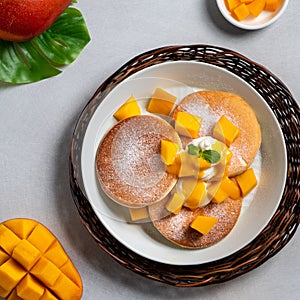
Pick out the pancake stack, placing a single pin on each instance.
(131, 173)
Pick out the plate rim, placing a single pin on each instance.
(212, 271)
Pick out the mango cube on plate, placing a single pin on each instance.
(195, 192)
(129, 109)
(204, 224)
(225, 131)
(161, 102)
(138, 213)
(246, 181)
(168, 151)
(187, 124)
(175, 203)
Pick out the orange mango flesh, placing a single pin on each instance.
(225, 131)
(194, 192)
(129, 109)
(203, 224)
(33, 264)
(256, 7)
(241, 12)
(246, 181)
(241, 9)
(185, 165)
(161, 102)
(168, 151)
(271, 5)
(175, 203)
(187, 124)
(138, 213)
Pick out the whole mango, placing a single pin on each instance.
(22, 20)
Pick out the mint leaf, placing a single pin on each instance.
(194, 150)
(39, 58)
(211, 156)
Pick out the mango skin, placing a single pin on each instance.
(26, 19)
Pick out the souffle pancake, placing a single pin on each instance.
(128, 163)
(176, 227)
(210, 106)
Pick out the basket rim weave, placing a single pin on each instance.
(284, 222)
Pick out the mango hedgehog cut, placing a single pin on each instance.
(33, 264)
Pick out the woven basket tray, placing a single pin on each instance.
(286, 219)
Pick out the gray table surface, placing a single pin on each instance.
(37, 120)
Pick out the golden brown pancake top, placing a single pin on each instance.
(128, 162)
(210, 106)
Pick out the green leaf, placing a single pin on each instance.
(64, 40)
(40, 57)
(211, 156)
(194, 150)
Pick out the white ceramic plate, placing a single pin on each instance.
(181, 78)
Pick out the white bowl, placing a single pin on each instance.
(265, 19)
(181, 78)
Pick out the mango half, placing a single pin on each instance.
(33, 264)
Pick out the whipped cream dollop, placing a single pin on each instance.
(206, 143)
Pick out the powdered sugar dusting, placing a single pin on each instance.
(176, 228)
(128, 161)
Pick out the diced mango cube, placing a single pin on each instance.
(41, 238)
(21, 229)
(3, 257)
(168, 151)
(219, 196)
(246, 181)
(30, 288)
(204, 224)
(225, 131)
(56, 254)
(8, 240)
(161, 102)
(10, 273)
(26, 254)
(194, 191)
(48, 296)
(187, 124)
(241, 12)
(70, 271)
(46, 271)
(129, 109)
(271, 5)
(230, 188)
(3, 293)
(186, 166)
(138, 213)
(66, 289)
(14, 296)
(174, 168)
(256, 7)
(231, 4)
(175, 203)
